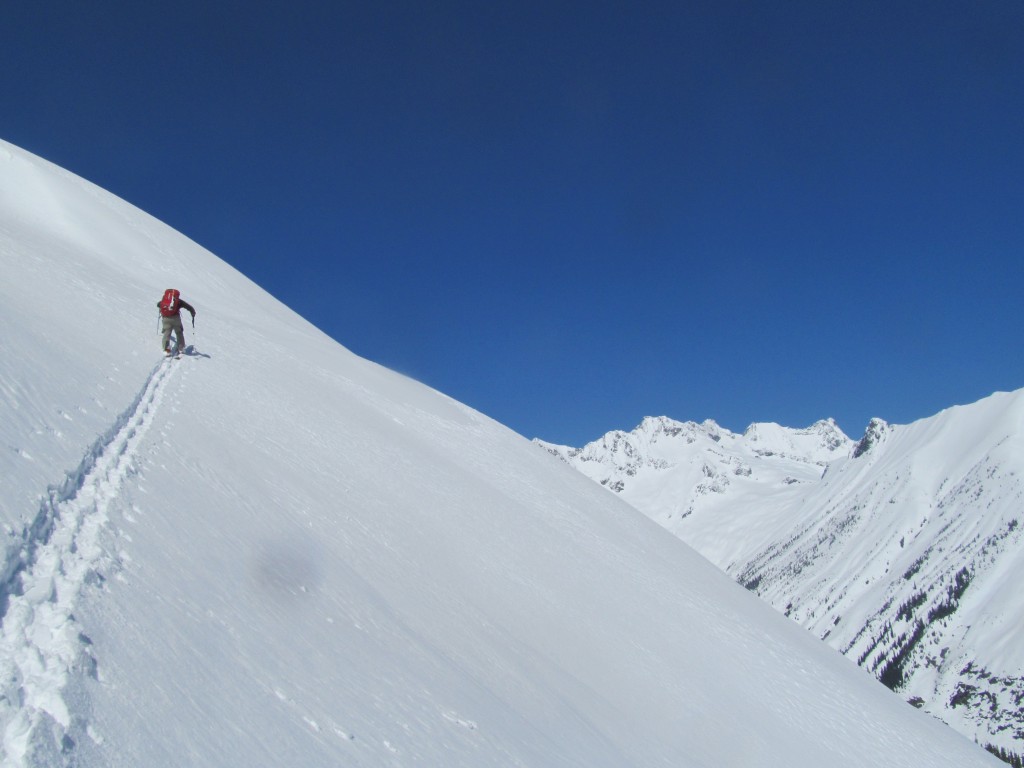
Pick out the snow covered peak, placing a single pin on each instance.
(662, 451)
(821, 442)
(273, 551)
(660, 428)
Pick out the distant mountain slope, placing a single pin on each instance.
(688, 476)
(902, 551)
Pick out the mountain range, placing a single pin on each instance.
(899, 550)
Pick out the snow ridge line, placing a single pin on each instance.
(42, 577)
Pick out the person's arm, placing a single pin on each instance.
(189, 307)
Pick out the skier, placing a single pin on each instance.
(170, 307)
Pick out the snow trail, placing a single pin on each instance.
(43, 574)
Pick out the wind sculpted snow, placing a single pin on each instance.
(277, 553)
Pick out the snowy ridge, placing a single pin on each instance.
(42, 644)
(901, 551)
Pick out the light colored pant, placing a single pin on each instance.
(167, 325)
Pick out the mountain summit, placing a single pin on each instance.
(273, 552)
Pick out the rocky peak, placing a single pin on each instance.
(874, 434)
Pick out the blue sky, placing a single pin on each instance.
(574, 215)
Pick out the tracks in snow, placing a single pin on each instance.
(44, 572)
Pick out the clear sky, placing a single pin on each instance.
(574, 215)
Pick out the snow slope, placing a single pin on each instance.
(901, 551)
(273, 552)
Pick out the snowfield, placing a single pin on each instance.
(272, 552)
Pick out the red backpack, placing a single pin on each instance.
(170, 303)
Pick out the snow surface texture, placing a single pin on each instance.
(273, 552)
(902, 551)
